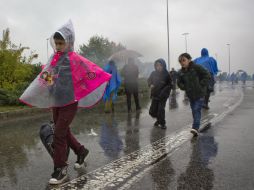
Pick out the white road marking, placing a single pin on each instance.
(92, 133)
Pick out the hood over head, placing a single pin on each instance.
(204, 52)
(67, 32)
(162, 62)
(112, 62)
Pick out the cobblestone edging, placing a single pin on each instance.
(22, 112)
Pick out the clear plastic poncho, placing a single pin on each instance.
(67, 78)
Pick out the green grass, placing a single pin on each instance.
(10, 108)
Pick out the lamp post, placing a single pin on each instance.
(168, 37)
(47, 48)
(229, 64)
(186, 45)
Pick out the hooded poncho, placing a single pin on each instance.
(67, 78)
(114, 83)
(207, 62)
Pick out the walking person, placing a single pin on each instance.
(173, 76)
(161, 84)
(193, 79)
(233, 78)
(130, 74)
(210, 64)
(244, 77)
(112, 87)
(67, 82)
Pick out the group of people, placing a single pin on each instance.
(196, 78)
(235, 77)
(77, 82)
(130, 73)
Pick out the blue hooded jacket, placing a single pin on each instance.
(207, 62)
(244, 76)
(114, 83)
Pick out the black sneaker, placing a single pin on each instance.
(81, 159)
(194, 132)
(58, 176)
(163, 126)
(156, 124)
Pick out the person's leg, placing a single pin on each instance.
(196, 107)
(128, 96)
(55, 114)
(153, 111)
(78, 149)
(192, 107)
(174, 86)
(73, 143)
(107, 109)
(111, 102)
(206, 100)
(136, 98)
(161, 114)
(65, 117)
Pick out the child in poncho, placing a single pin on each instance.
(67, 82)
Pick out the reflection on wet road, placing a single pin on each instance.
(110, 141)
(203, 149)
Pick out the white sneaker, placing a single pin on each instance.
(194, 132)
(81, 158)
(58, 176)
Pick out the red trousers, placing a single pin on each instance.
(63, 137)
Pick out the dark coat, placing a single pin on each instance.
(194, 81)
(130, 74)
(161, 81)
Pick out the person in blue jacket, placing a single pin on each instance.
(233, 78)
(244, 77)
(113, 86)
(210, 64)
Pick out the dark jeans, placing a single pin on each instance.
(207, 97)
(129, 90)
(210, 89)
(157, 110)
(196, 107)
(63, 137)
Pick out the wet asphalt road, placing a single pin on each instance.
(220, 158)
(127, 152)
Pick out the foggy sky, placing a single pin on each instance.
(140, 25)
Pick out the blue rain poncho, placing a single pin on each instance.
(207, 62)
(114, 83)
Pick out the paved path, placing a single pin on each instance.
(125, 148)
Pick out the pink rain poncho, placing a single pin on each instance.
(67, 78)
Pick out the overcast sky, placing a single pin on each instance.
(140, 25)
